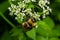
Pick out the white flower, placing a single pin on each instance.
(49, 9)
(21, 4)
(27, 10)
(43, 16)
(36, 16)
(11, 13)
(33, 0)
(27, 1)
(42, 3)
(12, 5)
(12, 0)
(31, 13)
(16, 18)
(46, 11)
(9, 8)
(36, 26)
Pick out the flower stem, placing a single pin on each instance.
(1, 14)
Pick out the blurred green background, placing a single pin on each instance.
(52, 23)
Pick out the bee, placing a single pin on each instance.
(29, 24)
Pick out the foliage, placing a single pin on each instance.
(48, 28)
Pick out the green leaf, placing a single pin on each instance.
(30, 5)
(21, 37)
(43, 28)
(4, 6)
(54, 38)
(55, 31)
(19, 21)
(49, 22)
(41, 38)
(18, 33)
(15, 32)
(31, 34)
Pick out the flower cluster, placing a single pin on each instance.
(20, 11)
(15, 10)
(27, 1)
(43, 5)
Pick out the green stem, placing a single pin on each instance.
(1, 14)
(37, 7)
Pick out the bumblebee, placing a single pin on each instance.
(29, 24)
